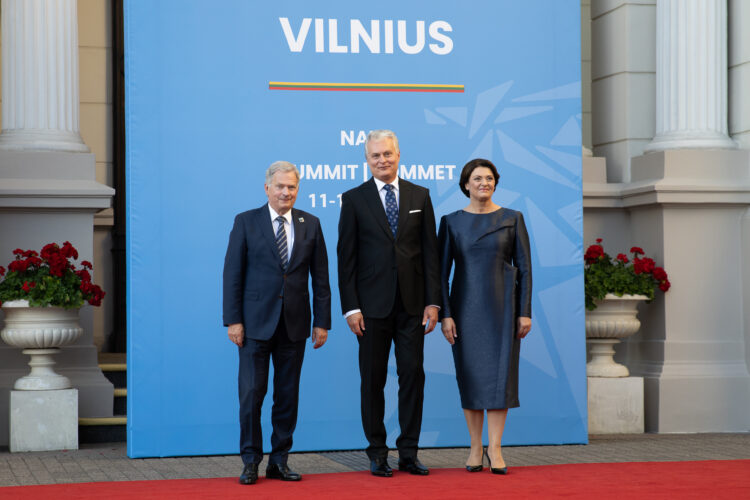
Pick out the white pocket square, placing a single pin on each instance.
(414, 211)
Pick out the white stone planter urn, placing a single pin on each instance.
(613, 319)
(40, 332)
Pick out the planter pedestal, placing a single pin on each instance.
(44, 420)
(602, 362)
(43, 407)
(42, 377)
(615, 405)
(615, 400)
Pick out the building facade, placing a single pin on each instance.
(666, 120)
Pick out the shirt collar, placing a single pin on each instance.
(379, 184)
(287, 216)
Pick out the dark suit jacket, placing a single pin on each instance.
(371, 261)
(255, 285)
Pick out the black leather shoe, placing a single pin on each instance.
(413, 466)
(249, 474)
(379, 467)
(283, 472)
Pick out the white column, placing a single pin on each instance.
(739, 74)
(691, 75)
(40, 76)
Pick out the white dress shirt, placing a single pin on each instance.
(288, 226)
(382, 191)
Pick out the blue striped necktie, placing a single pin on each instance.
(391, 209)
(281, 242)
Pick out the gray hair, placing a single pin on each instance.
(280, 166)
(376, 135)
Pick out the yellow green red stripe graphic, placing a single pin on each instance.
(365, 87)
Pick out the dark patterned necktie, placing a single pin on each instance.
(281, 242)
(391, 209)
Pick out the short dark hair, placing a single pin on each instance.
(470, 167)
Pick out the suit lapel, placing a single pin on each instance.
(300, 233)
(266, 228)
(404, 204)
(372, 199)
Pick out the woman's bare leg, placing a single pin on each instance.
(495, 428)
(475, 421)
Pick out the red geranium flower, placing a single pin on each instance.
(637, 265)
(49, 250)
(34, 261)
(664, 285)
(593, 253)
(54, 272)
(623, 258)
(18, 266)
(69, 250)
(637, 250)
(660, 274)
(648, 265)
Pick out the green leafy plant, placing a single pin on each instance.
(49, 278)
(621, 276)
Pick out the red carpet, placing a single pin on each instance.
(716, 479)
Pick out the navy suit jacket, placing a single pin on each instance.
(255, 285)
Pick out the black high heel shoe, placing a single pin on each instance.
(496, 470)
(476, 468)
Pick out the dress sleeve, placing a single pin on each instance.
(446, 263)
(522, 260)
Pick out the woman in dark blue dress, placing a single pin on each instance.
(487, 311)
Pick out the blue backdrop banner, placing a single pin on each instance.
(218, 90)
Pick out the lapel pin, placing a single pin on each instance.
(302, 219)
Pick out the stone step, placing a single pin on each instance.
(114, 367)
(121, 401)
(109, 429)
(102, 429)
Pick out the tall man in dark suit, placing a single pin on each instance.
(390, 292)
(271, 252)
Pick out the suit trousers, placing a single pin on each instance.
(253, 384)
(407, 334)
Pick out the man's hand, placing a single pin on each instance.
(524, 325)
(449, 330)
(430, 318)
(356, 323)
(319, 336)
(236, 333)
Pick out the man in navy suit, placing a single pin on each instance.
(389, 281)
(272, 250)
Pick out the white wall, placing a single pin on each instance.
(623, 62)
